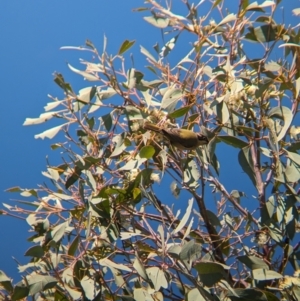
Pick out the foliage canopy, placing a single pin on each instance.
(101, 230)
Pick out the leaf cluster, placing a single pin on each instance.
(101, 231)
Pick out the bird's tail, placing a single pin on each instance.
(152, 127)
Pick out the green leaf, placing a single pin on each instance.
(191, 174)
(163, 158)
(120, 281)
(61, 196)
(233, 141)
(294, 132)
(51, 133)
(90, 180)
(213, 219)
(296, 11)
(262, 274)
(20, 291)
(188, 229)
(267, 152)
(143, 178)
(171, 98)
(211, 148)
(14, 189)
(127, 235)
(134, 78)
(174, 250)
(270, 124)
(139, 267)
(134, 113)
(296, 292)
(215, 164)
(149, 56)
(130, 165)
(279, 172)
(190, 252)
(35, 251)
(256, 7)
(109, 263)
(60, 81)
(86, 94)
(253, 262)
(284, 114)
(88, 76)
(291, 229)
(148, 98)
(280, 210)
(6, 282)
(136, 193)
(39, 283)
(120, 146)
(147, 152)
(228, 220)
(153, 84)
(28, 193)
(74, 177)
(58, 232)
(42, 118)
(271, 297)
(68, 278)
(90, 288)
(185, 218)
(216, 3)
(275, 233)
(158, 278)
(180, 112)
(294, 157)
(168, 47)
(246, 129)
(195, 295)
(152, 69)
(79, 271)
(210, 273)
(105, 94)
(157, 21)
(142, 294)
(100, 208)
(262, 34)
(222, 112)
(53, 174)
(237, 194)
(107, 120)
(125, 46)
(270, 206)
(248, 295)
(73, 246)
(292, 172)
(229, 18)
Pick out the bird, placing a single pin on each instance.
(181, 138)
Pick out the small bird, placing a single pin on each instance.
(180, 138)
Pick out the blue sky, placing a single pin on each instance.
(31, 34)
